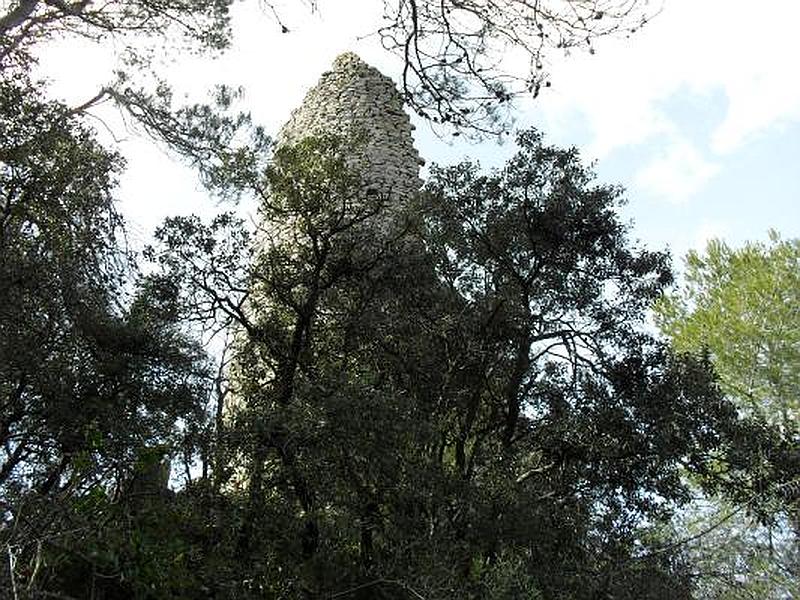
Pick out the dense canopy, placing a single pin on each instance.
(452, 394)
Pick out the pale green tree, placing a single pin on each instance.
(742, 305)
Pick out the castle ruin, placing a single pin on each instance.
(357, 102)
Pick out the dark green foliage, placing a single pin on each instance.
(446, 396)
(453, 396)
(93, 377)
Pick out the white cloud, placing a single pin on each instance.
(763, 100)
(277, 69)
(678, 173)
(744, 50)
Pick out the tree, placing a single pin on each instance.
(734, 556)
(739, 305)
(452, 52)
(94, 368)
(25, 23)
(450, 396)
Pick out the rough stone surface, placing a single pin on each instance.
(357, 102)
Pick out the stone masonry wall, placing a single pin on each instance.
(355, 100)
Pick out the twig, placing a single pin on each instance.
(12, 563)
(370, 584)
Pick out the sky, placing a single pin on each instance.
(697, 115)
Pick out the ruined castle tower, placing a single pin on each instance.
(359, 105)
(356, 101)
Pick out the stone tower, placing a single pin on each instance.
(356, 101)
(358, 104)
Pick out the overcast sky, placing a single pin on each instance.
(697, 115)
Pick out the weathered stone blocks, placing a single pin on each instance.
(356, 101)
